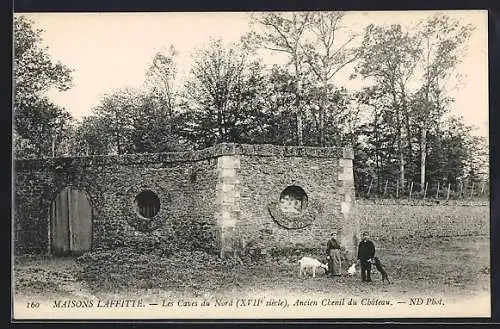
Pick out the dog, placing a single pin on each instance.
(376, 261)
(311, 263)
(352, 270)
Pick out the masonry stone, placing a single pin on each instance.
(244, 195)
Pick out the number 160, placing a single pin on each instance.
(32, 305)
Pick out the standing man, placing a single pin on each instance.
(333, 255)
(366, 251)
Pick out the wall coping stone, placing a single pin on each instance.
(263, 150)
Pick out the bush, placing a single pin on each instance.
(186, 235)
(126, 268)
(196, 235)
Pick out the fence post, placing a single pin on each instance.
(437, 192)
(370, 188)
(425, 190)
(397, 189)
(461, 189)
(482, 187)
(385, 188)
(448, 194)
(411, 189)
(472, 190)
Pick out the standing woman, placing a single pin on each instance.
(333, 255)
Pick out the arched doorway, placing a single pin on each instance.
(70, 222)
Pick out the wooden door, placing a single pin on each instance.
(71, 222)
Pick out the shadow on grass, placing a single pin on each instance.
(458, 265)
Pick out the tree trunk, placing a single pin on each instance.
(425, 117)
(54, 146)
(118, 146)
(299, 125)
(404, 112)
(401, 166)
(409, 156)
(423, 154)
(322, 112)
(298, 111)
(219, 125)
(321, 125)
(400, 142)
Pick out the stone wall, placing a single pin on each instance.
(221, 193)
(254, 180)
(225, 199)
(263, 180)
(184, 183)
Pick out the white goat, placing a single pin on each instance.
(310, 263)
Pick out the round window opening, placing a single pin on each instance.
(147, 204)
(293, 200)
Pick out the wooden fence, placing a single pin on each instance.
(431, 190)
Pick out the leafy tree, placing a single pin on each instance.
(129, 121)
(156, 119)
(36, 120)
(375, 137)
(443, 44)
(92, 137)
(257, 113)
(479, 159)
(449, 151)
(42, 130)
(338, 121)
(155, 126)
(222, 96)
(133, 121)
(116, 113)
(277, 117)
(388, 56)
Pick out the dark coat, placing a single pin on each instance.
(366, 250)
(332, 244)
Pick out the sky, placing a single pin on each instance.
(108, 51)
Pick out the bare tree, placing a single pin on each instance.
(161, 75)
(284, 32)
(327, 54)
(443, 45)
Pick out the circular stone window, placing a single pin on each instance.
(293, 210)
(293, 200)
(147, 204)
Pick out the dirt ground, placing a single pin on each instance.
(453, 267)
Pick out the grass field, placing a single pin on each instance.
(452, 267)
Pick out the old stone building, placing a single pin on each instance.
(230, 196)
